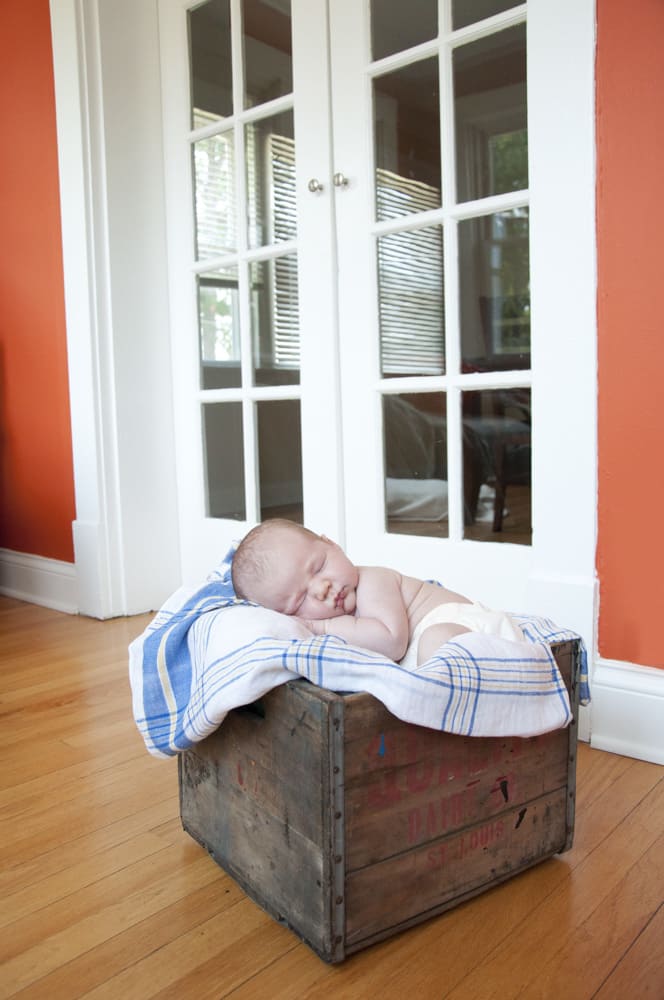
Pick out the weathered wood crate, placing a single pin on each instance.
(348, 825)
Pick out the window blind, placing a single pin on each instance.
(410, 280)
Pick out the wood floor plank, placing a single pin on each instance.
(124, 950)
(69, 881)
(640, 971)
(81, 778)
(27, 931)
(169, 831)
(217, 952)
(612, 928)
(150, 895)
(49, 756)
(595, 773)
(46, 829)
(106, 760)
(34, 867)
(52, 719)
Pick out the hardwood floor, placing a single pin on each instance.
(104, 896)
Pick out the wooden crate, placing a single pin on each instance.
(348, 825)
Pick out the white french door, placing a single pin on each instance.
(355, 274)
(430, 130)
(252, 263)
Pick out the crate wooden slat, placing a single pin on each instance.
(349, 825)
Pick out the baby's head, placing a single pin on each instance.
(290, 569)
(260, 552)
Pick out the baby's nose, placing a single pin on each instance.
(321, 588)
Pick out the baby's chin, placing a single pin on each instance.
(349, 605)
(335, 613)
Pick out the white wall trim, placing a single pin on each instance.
(49, 582)
(108, 103)
(79, 121)
(627, 710)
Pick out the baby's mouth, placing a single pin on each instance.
(340, 598)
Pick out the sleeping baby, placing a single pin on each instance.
(290, 569)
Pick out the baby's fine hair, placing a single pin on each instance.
(253, 559)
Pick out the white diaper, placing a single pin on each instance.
(474, 617)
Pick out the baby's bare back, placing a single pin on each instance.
(421, 597)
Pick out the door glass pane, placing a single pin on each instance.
(407, 140)
(268, 55)
(415, 436)
(214, 189)
(494, 291)
(280, 459)
(468, 11)
(224, 465)
(275, 321)
(490, 115)
(270, 156)
(219, 329)
(396, 25)
(411, 306)
(497, 465)
(210, 62)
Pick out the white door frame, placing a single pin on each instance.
(107, 90)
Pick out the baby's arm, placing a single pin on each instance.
(380, 622)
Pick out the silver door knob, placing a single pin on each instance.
(314, 185)
(340, 180)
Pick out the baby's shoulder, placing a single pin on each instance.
(385, 580)
(378, 576)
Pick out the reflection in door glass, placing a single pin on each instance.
(468, 11)
(494, 291)
(497, 465)
(280, 459)
(415, 440)
(214, 189)
(396, 25)
(407, 140)
(490, 115)
(411, 307)
(219, 329)
(224, 465)
(275, 326)
(210, 62)
(268, 54)
(270, 156)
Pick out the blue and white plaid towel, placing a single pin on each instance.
(206, 652)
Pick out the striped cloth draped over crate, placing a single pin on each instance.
(207, 652)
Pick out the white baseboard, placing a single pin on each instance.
(38, 580)
(627, 710)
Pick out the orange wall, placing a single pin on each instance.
(36, 474)
(630, 221)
